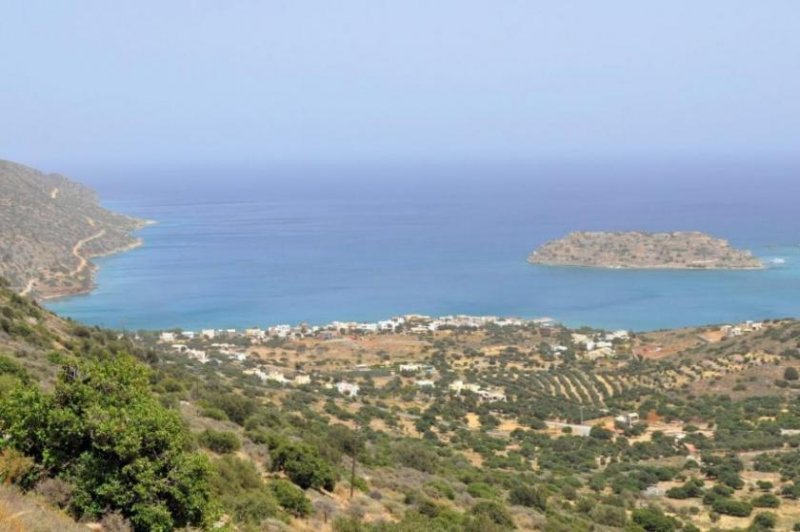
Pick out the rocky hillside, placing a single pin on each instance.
(676, 250)
(49, 229)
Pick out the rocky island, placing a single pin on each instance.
(51, 228)
(642, 250)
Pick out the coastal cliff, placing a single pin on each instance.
(50, 228)
(642, 250)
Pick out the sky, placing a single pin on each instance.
(93, 82)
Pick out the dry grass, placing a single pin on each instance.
(26, 513)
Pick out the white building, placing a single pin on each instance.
(491, 396)
(347, 388)
(198, 355)
(167, 337)
(256, 372)
(255, 333)
(208, 333)
(276, 376)
(302, 380)
(281, 331)
(425, 383)
(459, 386)
(629, 419)
(410, 368)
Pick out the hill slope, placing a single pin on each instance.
(49, 229)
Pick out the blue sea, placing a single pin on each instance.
(246, 245)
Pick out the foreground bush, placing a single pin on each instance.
(104, 432)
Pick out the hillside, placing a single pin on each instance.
(523, 425)
(676, 250)
(49, 229)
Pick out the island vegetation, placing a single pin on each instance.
(636, 249)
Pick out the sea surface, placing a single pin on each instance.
(243, 246)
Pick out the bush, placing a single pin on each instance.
(791, 374)
(104, 430)
(764, 521)
(55, 491)
(291, 498)
(654, 520)
(214, 413)
(481, 490)
(494, 512)
(416, 455)
(253, 507)
(303, 465)
(727, 506)
(241, 490)
(16, 468)
(115, 522)
(221, 442)
(768, 500)
(604, 514)
(599, 433)
(528, 496)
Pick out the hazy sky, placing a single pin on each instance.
(93, 81)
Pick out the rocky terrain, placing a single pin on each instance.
(50, 228)
(676, 250)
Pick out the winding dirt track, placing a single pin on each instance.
(83, 261)
(28, 287)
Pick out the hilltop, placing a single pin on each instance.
(50, 228)
(676, 250)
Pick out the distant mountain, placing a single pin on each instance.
(50, 228)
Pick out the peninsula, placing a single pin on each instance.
(690, 250)
(51, 228)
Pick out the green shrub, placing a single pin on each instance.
(728, 506)
(303, 465)
(214, 413)
(221, 442)
(291, 498)
(654, 520)
(767, 500)
(481, 490)
(104, 431)
(494, 512)
(604, 514)
(529, 496)
(764, 521)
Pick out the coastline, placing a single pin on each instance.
(660, 267)
(91, 284)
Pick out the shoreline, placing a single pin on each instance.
(93, 268)
(646, 268)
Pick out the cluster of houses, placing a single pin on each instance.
(732, 331)
(490, 396)
(599, 345)
(410, 323)
(201, 355)
(277, 376)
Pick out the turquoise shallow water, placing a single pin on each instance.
(258, 247)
